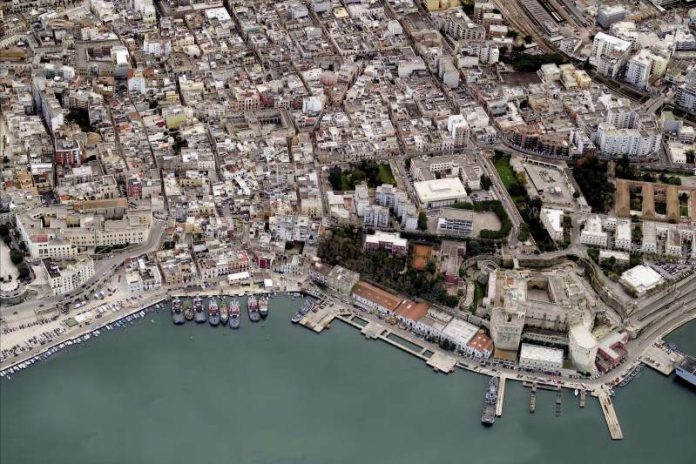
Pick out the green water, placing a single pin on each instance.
(278, 393)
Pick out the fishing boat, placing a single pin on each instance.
(263, 307)
(224, 311)
(253, 309)
(235, 314)
(198, 311)
(297, 317)
(213, 312)
(188, 310)
(177, 312)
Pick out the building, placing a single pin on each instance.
(638, 70)
(611, 351)
(342, 280)
(609, 54)
(439, 192)
(480, 346)
(623, 235)
(582, 348)
(69, 274)
(459, 333)
(552, 219)
(541, 358)
(610, 14)
(391, 242)
(372, 298)
(592, 233)
(453, 221)
(641, 279)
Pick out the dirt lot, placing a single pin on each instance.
(484, 221)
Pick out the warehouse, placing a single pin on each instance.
(541, 358)
(439, 192)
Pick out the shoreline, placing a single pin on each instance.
(28, 359)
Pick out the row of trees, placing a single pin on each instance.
(16, 256)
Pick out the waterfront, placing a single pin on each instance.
(274, 392)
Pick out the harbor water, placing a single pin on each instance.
(273, 392)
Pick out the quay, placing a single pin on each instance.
(501, 396)
(439, 360)
(661, 359)
(610, 415)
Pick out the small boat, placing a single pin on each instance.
(224, 311)
(198, 311)
(177, 312)
(188, 310)
(297, 317)
(213, 312)
(253, 309)
(263, 307)
(577, 392)
(235, 314)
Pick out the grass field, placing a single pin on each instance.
(421, 254)
(385, 174)
(507, 175)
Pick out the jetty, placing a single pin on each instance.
(610, 415)
(501, 396)
(661, 359)
(439, 360)
(583, 398)
(532, 399)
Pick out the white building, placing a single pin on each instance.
(609, 54)
(582, 348)
(641, 279)
(439, 192)
(552, 219)
(541, 358)
(592, 233)
(459, 332)
(68, 275)
(638, 70)
(622, 235)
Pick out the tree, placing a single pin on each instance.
(486, 182)
(473, 248)
(4, 230)
(16, 257)
(422, 221)
(521, 178)
(23, 270)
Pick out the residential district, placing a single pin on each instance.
(508, 184)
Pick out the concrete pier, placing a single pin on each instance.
(610, 415)
(661, 359)
(532, 400)
(583, 398)
(501, 396)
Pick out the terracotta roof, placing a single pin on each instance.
(413, 310)
(376, 295)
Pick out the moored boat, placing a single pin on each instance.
(297, 317)
(235, 314)
(213, 312)
(263, 307)
(198, 311)
(489, 402)
(177, 312)
(224, 311)
(253, 309)
(188, 310)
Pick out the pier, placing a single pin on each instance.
(583, 398)
(661, 359)
(610, 415)
(532, 399)
(501, 396)
(439, 360)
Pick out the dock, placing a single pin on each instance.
(532, 399)
(501, 396)
(322, 318)
(439, 360)
(583, 398)
(661, 359)
(610, 415)
(558, 402)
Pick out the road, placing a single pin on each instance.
(103, 270)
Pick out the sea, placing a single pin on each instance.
(273, 392)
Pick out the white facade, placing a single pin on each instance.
(541, 358)
(582, 348)
(71, 276)
(440, 192)
(552, 219)
(622, 235)
(638, 71)
(641, 279)
(592, 234)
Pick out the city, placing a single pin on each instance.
(504, 188)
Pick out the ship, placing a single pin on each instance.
(263, 307)
(489, 402)
(687, 369)
(177, 312)
(213, 312)
(306, 307)
(188, 310)
(253, 309)
(297, 317)
(235, 314)
(198, 311)
(224, 311)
